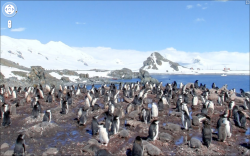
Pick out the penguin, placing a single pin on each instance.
(49, 98)
(83, 118)
(108, 122)
(160, 105)
(178, 103)
(33, 102)
(153, 130)
(6, 116)
(47, 116)
(14, 94)
(239, 117)
(115, 125)
(184, 107)
(195, 100)
(69, 98)
(35, 111)
(145, 115)
(19, 149)
(228, 127)
(111, 108)
(204, 109)
(154, 110)
(222, 134)
(196, 84)
(79, 113)
(65, 107)
(246, 103)
(103, 134)
(181, 85)
(206, 134)
(94, 125)
(219, 101)
(2, 99)
(213, 86)
(138, 147)
(41, 93)
(186, 121)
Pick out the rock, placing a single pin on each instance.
(93, 141)
(143, 74)
(65, 79)
(174, 113)
(8, 153)
(195, 143)
(133, 114)
(4, 145)
(124, 133)
(166, 137)
(103, 152)
(1, 76)
(69, 72)
(51, 151)
(151, 149)
(91, 148)
(83, 76)
(195, 121)
(172, 127)
(133, 123)
(124, 73)
(149, 79)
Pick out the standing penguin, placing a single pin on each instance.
(145, 115)
(47, 116)
(195, 100)
(65, 107)
(19, 149)
(154, 110)
(6, 115)
(94, 125)
(115, 125)
(111, 108)
(35, 111)
(108, 122)
(160, 105)
(206, 134)
(246, 103)
(103, 134)
(186, 121)
(83, 118)
(153, 130)
(137, 147)
(49, 98)
(196, 84)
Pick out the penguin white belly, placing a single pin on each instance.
(104, 136)
(245, 104)
(228, 131)
(195, 100)
(183, 120)
(211, 105)
(156, 135)
(154, 111)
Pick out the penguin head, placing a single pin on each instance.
(48, 111)
(20, 137)
(155, 122)
(247, 99)
(116, 117)
(95, 117)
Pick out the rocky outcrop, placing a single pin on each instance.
(69, 72)
(155, 60)
(145, 77)
(20, 73)
(83, 75)
(124, 73)
(65, 79)
(1, 76)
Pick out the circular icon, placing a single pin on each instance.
(9, 9)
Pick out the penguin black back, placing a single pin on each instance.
(137, 147)
(19, 149)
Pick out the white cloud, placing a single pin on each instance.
(189, 6)
(3, 28)
(200, 20)
(204, 8)
(198, 5)
(80, 23)
(18, 29)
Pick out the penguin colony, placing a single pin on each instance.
(146, 100)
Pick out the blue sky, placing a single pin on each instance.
(191, 26)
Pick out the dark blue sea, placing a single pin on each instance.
(233, 81)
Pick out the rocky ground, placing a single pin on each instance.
(63, 136)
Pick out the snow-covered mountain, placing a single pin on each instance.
(57, 55)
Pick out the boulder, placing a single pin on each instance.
(172, 127)
(151, 149)
(8, 153)
(124, 73)
(195, 143)
(4, 145)
(51, 151)
(65, 79)
(69, 72)
(165, 137)
(124, 133)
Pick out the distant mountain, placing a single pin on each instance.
(158, 63)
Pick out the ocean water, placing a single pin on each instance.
(233, 81)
